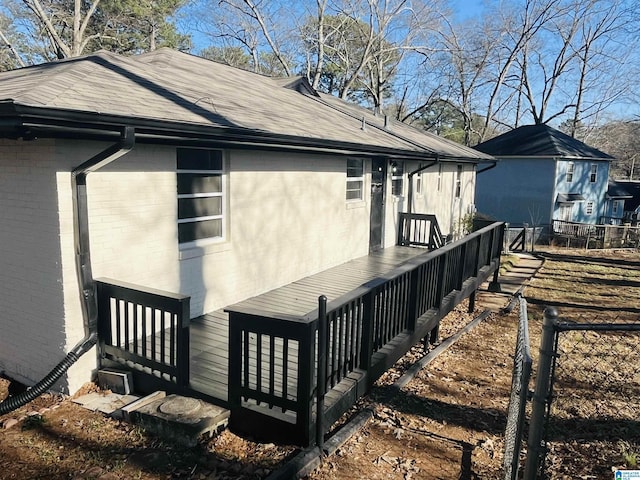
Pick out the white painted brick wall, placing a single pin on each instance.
(32, 314)
(287, 218)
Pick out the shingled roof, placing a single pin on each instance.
(168, 96)
(539, 141)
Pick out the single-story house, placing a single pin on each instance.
(543, 175)
(181, 174)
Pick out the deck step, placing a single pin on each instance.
(183, 420)
(174, 418)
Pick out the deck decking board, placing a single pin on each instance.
(210, 335)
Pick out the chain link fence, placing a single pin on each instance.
(519, 393)
(593, 419)
(584, 421)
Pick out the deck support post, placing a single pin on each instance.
(472, 301)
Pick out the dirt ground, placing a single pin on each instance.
(448, 423)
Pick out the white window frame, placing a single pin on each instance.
(221, 194)
(354, 180)
(419, 184)
(440, 168)
(397, 178)
(458, 183)
(593, 173)
(588, 209)
(615, 206)
(570, 172)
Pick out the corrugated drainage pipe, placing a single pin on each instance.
(12, 403)
(83, 267)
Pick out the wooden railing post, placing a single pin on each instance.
(104, 317)
(235, 362)
(182, 347)
(322, 370)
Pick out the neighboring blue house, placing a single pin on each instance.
(631, 207)
(543, 175)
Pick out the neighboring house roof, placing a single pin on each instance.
(172, 95)
(617, 190)
(633, 189)
(539, 141)
(569, 198)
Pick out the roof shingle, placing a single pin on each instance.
(167, 85)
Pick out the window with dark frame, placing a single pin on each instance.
(589, 208)
(200, 179)
(458, 186)
(355, 179)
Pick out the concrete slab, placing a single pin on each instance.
(108, 404)
(510, 282)
(181, 419)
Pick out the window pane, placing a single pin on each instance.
(354, 190)
(355, 167)
(199, 207)
(396, 187)
(199, 183)
(188, 232)
(199, 159)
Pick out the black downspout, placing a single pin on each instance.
(81, 225)
(83, 268)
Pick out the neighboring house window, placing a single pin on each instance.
(439, 176)
(589, 209)
(200, 195)
(419, 184)
(615, 207)
(570, 169)
(355, 179)
(458, 185)
(397, 174)
(593, 176)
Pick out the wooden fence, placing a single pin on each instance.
(273, 359)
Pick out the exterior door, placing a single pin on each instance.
(565, 212)
(378, 181)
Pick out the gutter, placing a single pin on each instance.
(88, 298)
(493, 165)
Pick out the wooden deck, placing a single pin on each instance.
(209, 345)
(272, 358)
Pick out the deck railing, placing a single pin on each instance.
(420, 230)
(368, 329)
(573, 229)
(145, 330)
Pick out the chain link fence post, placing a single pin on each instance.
(536, 441)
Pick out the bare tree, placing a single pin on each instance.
(572, 65)
(256, 13)
(56, 20)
